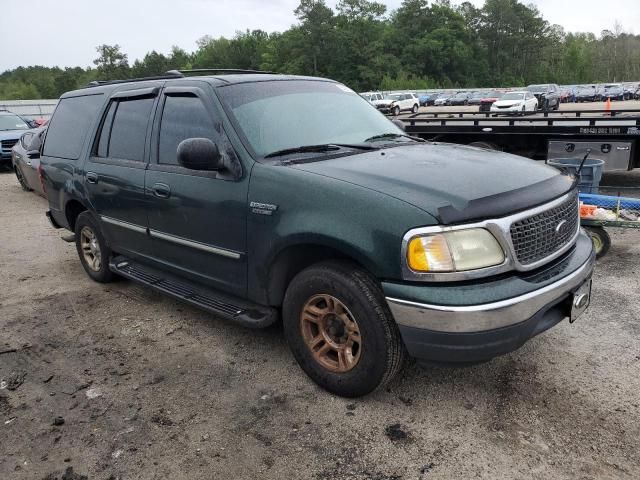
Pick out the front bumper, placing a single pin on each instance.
(481, 331)
(514, 109)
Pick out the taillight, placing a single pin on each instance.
(41, 177)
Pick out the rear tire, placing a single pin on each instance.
(323, 307)
(414, 109)
(92, 249)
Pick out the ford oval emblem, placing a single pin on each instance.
(561, 227)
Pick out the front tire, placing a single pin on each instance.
(340, 330)
(92, 249)
(396, 111)
(600, 239)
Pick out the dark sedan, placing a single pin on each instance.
(25, 158)
(461, 98)
(588, 94)
(613, 93)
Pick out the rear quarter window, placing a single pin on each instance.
(70, 124)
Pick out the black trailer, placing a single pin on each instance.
(612, 136)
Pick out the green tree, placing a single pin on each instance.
(111, 63)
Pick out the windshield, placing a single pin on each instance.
(12, 122)
(537, 88)
(278, 115)
(512, 96)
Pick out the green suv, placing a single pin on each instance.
(264, 198)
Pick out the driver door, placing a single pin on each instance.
(197, 219)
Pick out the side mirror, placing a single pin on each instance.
(400, 124)
(199, 154)
(33, 154)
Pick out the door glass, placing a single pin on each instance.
(103, 143)
(183, 117)
(129, 131)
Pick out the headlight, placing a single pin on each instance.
(454, 251)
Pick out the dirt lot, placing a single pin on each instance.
(116, 382)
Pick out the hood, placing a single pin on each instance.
(11, 134)
(453, 183)
(507, 103)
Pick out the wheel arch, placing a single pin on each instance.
(72, 209)
(292, 259)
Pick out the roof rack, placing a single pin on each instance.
(219, 70)
(176, 74)
(166, 76)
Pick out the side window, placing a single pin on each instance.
(124, 130)
(183, 116)
(69, 125)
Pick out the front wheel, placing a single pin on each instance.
(340, 330)
(92, 249)
(601, 240)
(396, 111)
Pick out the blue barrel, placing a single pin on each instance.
(590, 175)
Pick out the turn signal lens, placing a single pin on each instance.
(454, 251)
(430, 254)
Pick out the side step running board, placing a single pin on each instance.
(240, 311)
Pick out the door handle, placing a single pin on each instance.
(92, 177)
(161, 190)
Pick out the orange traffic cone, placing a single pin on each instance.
(607, 107)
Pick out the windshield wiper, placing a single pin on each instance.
(383, 136)
(325, 147)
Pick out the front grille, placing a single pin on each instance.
(8, 144)
(539, 236)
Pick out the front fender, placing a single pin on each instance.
(314, 210)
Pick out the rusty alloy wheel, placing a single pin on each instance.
(90, 249)
(331, 333)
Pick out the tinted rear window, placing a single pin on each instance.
(69, 126)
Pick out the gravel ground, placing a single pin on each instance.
(117, 382)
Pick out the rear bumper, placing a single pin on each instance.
(472, 333)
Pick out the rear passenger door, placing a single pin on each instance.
(197, 219)
(115, 172)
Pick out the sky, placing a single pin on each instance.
(66, 32)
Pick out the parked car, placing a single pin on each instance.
(443, 99)
(460, 98)
(588, 94)
(515, 102)
(427, 98)
(262, 196)
(398, 102)
(25, 158)
(548, 96)
(629, 90)
(489, 99)
(372, 97)
(476, 97)
(12, 127)
(613, 91)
